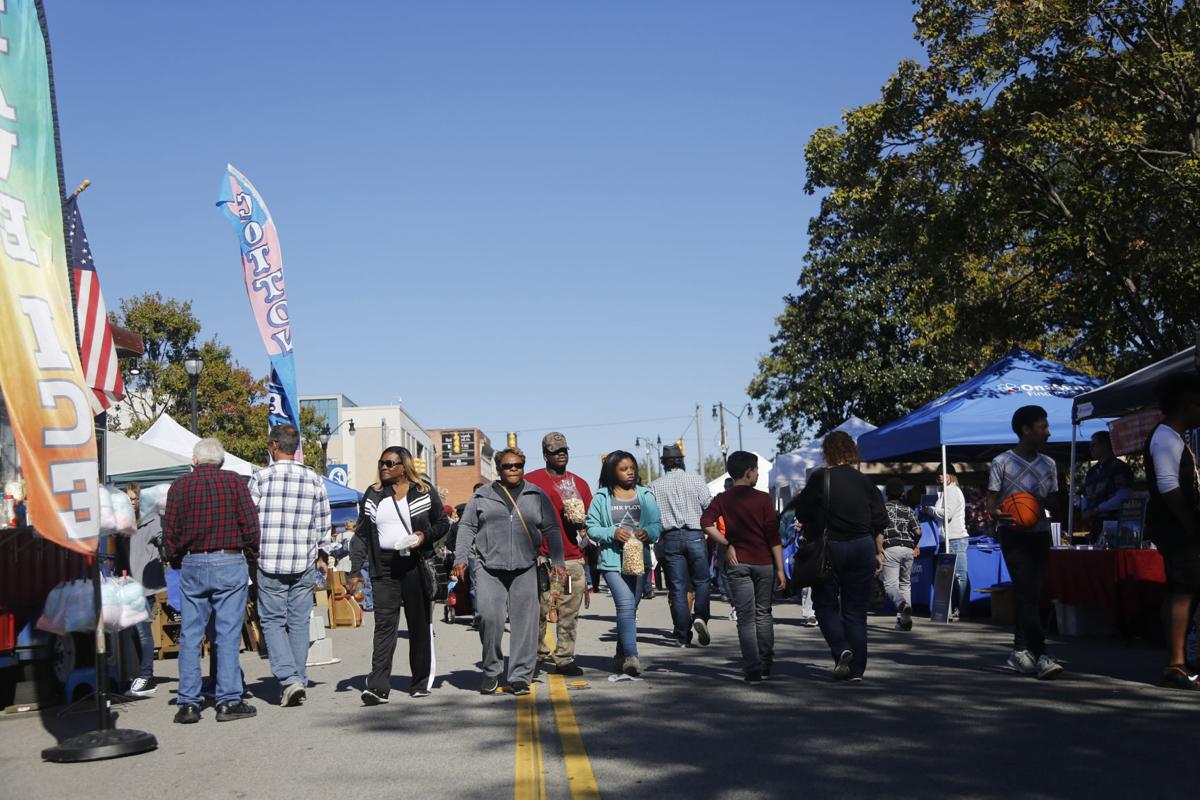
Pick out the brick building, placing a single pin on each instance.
(464, 458)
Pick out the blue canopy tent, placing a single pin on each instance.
(974, 418)
(343, 501)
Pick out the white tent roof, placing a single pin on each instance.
(169, 435)
(131, 455)
(791, 469)
(715, 487)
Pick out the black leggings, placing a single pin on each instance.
(402, 586)
(1027, 553)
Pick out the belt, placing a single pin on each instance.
(225, 550)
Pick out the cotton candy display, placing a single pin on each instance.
(116, 513)
(154, 499)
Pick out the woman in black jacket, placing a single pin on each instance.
(399, 518)
(854, 518)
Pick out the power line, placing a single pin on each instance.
(591, 425)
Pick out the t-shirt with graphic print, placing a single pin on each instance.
(627, 514)
(1011, 474)
(902, 529)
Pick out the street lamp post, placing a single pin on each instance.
(644, 441)
(324, 436)
(192, 365)
(721, 410)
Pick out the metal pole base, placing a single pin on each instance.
(97, 745)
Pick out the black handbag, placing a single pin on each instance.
(429, 581)
(814, 565)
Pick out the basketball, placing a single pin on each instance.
(1024, 508)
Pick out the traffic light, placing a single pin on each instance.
(679, 444)
(512, 439)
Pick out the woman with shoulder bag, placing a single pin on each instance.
(853, 518)
(399, 518)
(622, 511)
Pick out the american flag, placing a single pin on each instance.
(96, 348)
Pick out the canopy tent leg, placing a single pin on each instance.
(1070, 533)
(945, 502)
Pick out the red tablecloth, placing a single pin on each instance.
(1128, 583)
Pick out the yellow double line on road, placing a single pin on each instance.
(530, 777)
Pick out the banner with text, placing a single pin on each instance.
(262, 266)
(40, 373)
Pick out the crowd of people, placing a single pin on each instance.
(525, 542)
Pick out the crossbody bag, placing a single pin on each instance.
(543, 569)
(814, 564)
(425, 564)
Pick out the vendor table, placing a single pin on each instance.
(1129, 584)
(985, 566)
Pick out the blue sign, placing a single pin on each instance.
(338, 473)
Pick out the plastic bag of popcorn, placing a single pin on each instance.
(633, 559)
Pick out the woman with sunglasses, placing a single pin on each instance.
(399, 517)
(502, 527)
(622, 509)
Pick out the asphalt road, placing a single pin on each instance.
(938, 715)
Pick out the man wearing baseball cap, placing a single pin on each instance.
(571, 497)
(682, 498)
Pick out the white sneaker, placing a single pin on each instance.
(1047, 668)
(1022, 661)
(142, 687)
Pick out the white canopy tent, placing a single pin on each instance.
(790, 471)
(130, 460)
(716, 486)
(169, 435)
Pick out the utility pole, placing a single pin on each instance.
(724, 442)
(699, 444)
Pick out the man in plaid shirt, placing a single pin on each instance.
(210, 530)
(293, 511)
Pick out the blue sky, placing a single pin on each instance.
(511, 215)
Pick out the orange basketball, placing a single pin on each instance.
(1024, 508)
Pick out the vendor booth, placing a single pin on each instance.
(790, 471)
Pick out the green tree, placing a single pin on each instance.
(1034, 184)
(230, 402)
(714, 467)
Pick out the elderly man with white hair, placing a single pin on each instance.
(210, 532)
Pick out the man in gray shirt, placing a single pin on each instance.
(683, 550)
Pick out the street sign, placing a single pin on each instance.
(458, 448)
(338, 473)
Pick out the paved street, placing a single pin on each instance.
(937, 716)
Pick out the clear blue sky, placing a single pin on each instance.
(549, 214)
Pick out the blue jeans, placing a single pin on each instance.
(961, 596)
(145, 635)
(841, 602)
(284, 605)
(211, 584)
(626, 592)
(684, 556)
(368, 603)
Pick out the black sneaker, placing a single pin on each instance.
(1176, 676)
(420, 691)
(489, 685)
(370, 697)
(754, 676)
(293, 695)
(519, 688)
(142, 687)
(228, 712)
(841, 670)
(187, 714)
(570, 669)
(905, 623)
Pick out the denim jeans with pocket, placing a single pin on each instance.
(752, 587)
(285, 603)
(962, 579)
(684, 555)
(626, 593)
(841, 602)
(211, 584)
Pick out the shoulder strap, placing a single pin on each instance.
(517, 508)
(407, 529)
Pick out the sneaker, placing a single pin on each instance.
(187, 714)
(142, 687)
(754, 676)
(632, 667)
(293, 695)
(676, 641)
(1022, 661)
(570, 669)
(766, 671)
(1178, 676)
(856, 679)
(420, 691)
(370, 697)
(841, 670)
(618, 664)
(701, 628)
(905, 621)
(733, 615)
(1047, 668)
(811, 621)
(489, 685)
(518, 688)
(229, 712)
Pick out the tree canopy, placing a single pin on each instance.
(1034, 183)
(231, 404)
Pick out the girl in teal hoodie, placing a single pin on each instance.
(622, 509)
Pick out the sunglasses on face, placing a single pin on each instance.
(389, 464)
(513, 465)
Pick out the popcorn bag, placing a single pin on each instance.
(573, 508)
(633, 559)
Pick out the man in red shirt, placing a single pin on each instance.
(753, 559)
(210, 531)
(570, 497)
